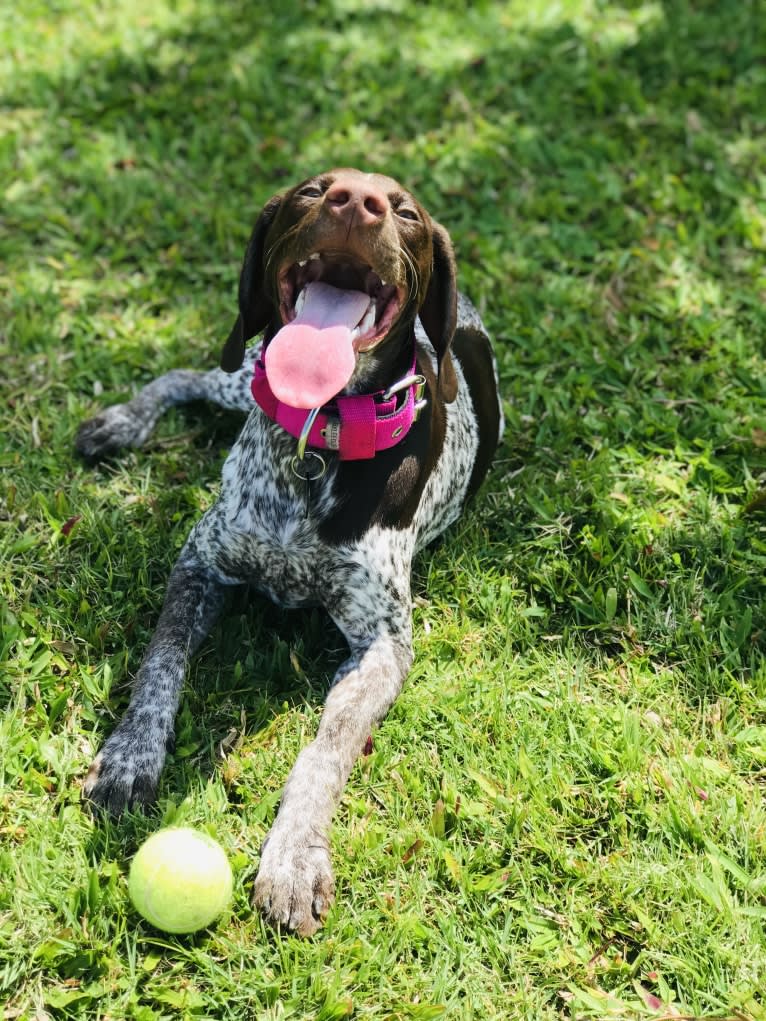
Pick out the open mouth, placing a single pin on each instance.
(345, 273)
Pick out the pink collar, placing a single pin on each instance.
(357, 426)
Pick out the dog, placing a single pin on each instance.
(373, 415)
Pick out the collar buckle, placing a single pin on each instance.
(420, 401)
(414, 379)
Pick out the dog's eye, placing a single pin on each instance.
(407, 213)
(311, 191)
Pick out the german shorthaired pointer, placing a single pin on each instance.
(373, 414)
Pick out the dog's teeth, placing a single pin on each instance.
(300, 301)
(367, 323)
(302, 262)
(314, 255)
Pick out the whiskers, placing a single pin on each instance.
(270, 262)
(411, 274)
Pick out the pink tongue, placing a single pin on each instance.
(312, 358)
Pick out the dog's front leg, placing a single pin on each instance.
(126, 771)
(295, 885)
(131, 424)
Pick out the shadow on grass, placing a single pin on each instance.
(577, 166)
(232, 98)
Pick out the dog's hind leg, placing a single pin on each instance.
(131, 424)
(126, 771)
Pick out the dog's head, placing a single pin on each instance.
(358, 233)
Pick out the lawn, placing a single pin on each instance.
(563, 815)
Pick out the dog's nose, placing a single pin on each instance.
(356, 201)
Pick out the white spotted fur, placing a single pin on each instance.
(257, 533)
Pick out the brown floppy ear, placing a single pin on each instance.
(438, 313)
(255, 305)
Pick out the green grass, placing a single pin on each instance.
(563, 814)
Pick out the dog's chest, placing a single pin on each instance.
(259, 530)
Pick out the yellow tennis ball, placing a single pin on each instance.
(180, 880)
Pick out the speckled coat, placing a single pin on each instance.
(351, 554)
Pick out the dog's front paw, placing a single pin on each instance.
(122, 425)
(295, 887)
(125, 774)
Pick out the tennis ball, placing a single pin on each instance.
(180, 880)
